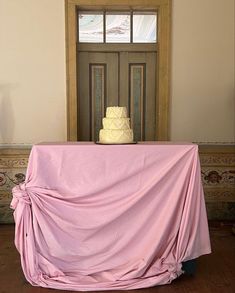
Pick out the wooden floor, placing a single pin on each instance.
(215, 272)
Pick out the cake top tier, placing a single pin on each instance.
(116, 112)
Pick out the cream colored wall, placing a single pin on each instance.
(33, 76)
(32, 71)
(203, 102)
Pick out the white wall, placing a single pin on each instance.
(33, 75)
(32, 71)
(203, 97)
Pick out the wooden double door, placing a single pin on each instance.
(117, 79)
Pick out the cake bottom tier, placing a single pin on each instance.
(116, 135)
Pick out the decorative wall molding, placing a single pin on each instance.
(215, 160)
(218, 178)
(13, 165)
(216, 195)
(217, 170)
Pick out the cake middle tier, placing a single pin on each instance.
(116, 135)
(116, 123)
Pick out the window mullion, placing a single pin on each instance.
(104, 24)
(131, 28)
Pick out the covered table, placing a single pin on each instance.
(104, 217)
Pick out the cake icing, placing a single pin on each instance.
(116, 126)
(116, 112)
(116, 135)
(116, 123)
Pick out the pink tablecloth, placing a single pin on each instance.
(98, 217)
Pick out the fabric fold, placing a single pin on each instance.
(20, 194)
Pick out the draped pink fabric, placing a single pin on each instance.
(103, 217)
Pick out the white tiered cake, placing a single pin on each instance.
(116, 127)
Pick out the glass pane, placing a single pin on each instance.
(144, 27)
(118, 28)
(91, 29)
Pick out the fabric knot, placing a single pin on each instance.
(20, 194)
(175, 270)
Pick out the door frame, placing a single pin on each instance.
(163, 61)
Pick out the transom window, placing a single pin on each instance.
(117, 27)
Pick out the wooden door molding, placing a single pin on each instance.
(163, 63)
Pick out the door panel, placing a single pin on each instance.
(97, 82)
(98, 88)
(137, 99)
(138, 92)
(120, 78)
(150, 101)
